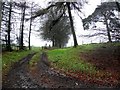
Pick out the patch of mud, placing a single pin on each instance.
(18, 76)
(41, 76)
(46, 77)
(106, 59)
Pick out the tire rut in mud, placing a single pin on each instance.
(18, 76)
(49, 78)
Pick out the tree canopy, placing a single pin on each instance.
(106, 13)
(59, 33)
(64, 8)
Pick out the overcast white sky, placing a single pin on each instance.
(88, 9)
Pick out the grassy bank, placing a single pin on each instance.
(9, 58)
(98, 63)
(69, 59)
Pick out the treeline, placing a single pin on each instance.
(58, 31)
(57, 22)
(105, 14)
(13, 25)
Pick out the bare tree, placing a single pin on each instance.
(0, 13)
(118, 5)
(30, 27)
(9, 27)
(23, 8)
(71, 23)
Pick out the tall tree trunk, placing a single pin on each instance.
(22, 26)
(30, 33)
(71, 23)
(108, 30)
(118, 6)
(30, 28)
(9, 28)
(60, 45)
(0, 42)
(0, 18)
(6, 42)
(0, 15)
(53, 41)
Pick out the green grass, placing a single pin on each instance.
(9, 58)
(36, 49)
(89, 47)
(69, 59)
(35, 59)
(0, 63)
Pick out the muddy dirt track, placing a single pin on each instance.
(41, 77)
(18, 76)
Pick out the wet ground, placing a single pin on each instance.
(18, 76)
(46, 77)
(42, 76)
(106, 59)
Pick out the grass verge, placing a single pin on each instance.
(35, 59)
(69, 59)
(9, 58)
